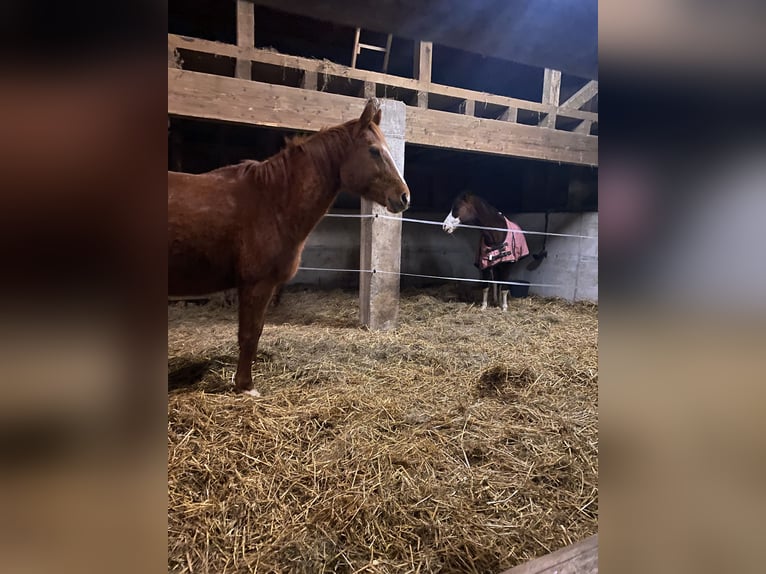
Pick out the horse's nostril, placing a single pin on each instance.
(405, 199)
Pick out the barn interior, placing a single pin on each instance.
(435, 176)
(409, 432)
(554, 177)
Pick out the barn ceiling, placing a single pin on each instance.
(543, 33)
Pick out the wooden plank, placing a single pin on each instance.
(579, 558)
(422, 70)
(551, 94)
(245, 36)
(435, 128)
(233, 100)
(582, 96)
(333, 69)
(247, 102)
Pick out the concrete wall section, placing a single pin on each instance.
(571, 265)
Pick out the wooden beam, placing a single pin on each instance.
(234, 100)
(579, 558)
(551, 94)
(583, 127)
(582, 96)
(422, 69)
(435, 128)
(469, 107)
(245, 36)
(333, 69)
(368, 90)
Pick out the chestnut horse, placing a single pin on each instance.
(244, 226)
(498, 250)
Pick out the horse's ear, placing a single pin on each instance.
(368, 115)
(376, 117)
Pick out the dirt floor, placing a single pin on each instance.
(465, 441)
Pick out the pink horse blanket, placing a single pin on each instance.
(513, 248)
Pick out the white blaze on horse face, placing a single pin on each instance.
(388, 153)
(450, 223)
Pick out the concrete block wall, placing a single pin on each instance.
(571, 265)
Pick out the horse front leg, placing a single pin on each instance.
(504, 272)
(486, 275)
(253, 300)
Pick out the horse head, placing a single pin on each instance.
(463, 211)
(369, 169)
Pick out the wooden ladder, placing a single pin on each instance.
(358, 47)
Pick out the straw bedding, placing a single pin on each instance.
(465, 441)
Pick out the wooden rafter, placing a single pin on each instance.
(207, 96)
(582, 96)
(331, 68)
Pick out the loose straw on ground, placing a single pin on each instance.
(464, 441)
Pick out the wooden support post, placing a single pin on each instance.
(422, 68)
(381, 239)
(551, 93)
(245, 36)
(310, 80)
(510, 115)
(368, 90)
(469, 107)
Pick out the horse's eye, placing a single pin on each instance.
(375, 152)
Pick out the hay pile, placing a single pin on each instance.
(462, 442)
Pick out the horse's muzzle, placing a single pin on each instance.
(399, 205)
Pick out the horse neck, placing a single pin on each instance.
(488, 216)
(311, 182)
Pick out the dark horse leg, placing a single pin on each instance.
(503, 273)
(486, 275)
(253, 300)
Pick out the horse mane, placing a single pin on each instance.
(237, 169)
(323, 148)
(470, 196)
(484, 209)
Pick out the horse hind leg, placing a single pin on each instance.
(253, 300)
